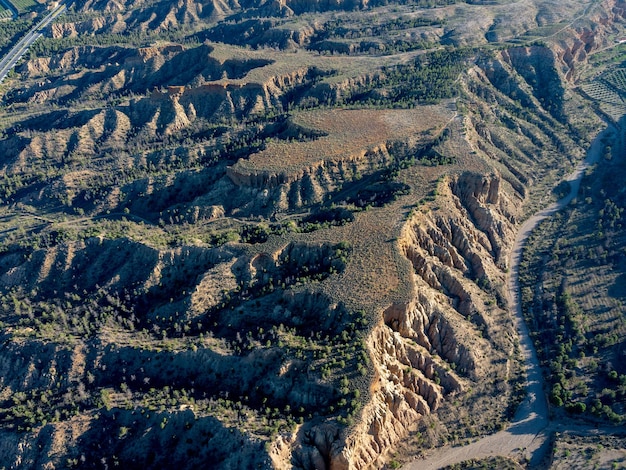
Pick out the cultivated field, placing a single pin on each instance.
(25, 5)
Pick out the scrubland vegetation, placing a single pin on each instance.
(573, 295)
(288, 247)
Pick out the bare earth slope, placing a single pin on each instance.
(527, 436)
(278, 234)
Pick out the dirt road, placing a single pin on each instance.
(527, 435)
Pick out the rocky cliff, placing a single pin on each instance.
(453, 340)
(200, 268)
(452, 336)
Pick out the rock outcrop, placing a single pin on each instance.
(160, 286)
(451, 336)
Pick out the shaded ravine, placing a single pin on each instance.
(527, 435)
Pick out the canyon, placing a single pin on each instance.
(241, 234)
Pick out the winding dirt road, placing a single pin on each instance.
(527, 435)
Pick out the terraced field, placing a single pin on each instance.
(24, 5)
(607, 92)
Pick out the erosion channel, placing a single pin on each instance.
(527, 437)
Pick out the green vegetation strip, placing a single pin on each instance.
(572, 282)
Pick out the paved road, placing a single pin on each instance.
(527, 436)
(18, 51)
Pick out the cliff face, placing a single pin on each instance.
(602, 22)
(298, 187)
(360, 305)
(348, 147)
(178, 107)
(454, 340)
(174, 78)
(452, 336)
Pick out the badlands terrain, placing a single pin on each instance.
(278, 234)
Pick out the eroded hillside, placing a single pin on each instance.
(253, 234)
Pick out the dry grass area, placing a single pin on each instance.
(588, 452)
(350, 135)
(378, 273)
(284, 63)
